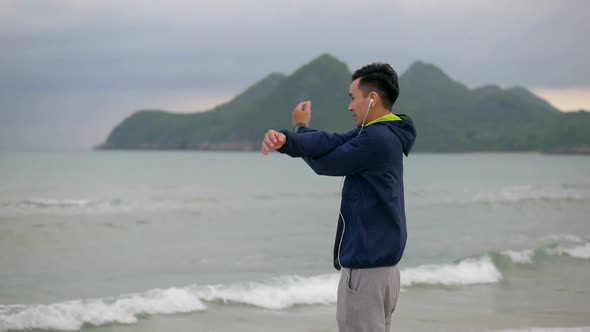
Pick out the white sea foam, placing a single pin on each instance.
(103, 205)
(520, 257)
(285, 292)
(276, 294)
(279, 293)
(71, 315)
(466, 272)
(57, 202)
(515, 194)
(549, 329)
(562, 237)
(581, 251)
(68, 206)
(505, 195)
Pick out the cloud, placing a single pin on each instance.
(84, 119)
(97, 48)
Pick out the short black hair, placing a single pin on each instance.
(381, 78)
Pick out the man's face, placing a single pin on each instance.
(359, 103)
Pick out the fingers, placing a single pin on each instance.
(276, 137)
(273, 140)
(266, 145)
(299, 107)
(272, 136)
(306, 106)
(265, 148)
(303, 106)
(269, 139)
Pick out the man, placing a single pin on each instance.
(371, 234)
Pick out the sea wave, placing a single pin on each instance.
(72, 315)
(285, 292)
(501, 196)
(530, 256)
(279, 293)
(524, 193)
(498, 196)
(276, 294)
(562, 237)
(71, 205)
(44, 203)
(520, 257)
(466, 272)
(580, 251)
(102, 205)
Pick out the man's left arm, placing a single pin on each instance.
(352, 157)
(303, 142)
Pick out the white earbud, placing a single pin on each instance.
(365, 118)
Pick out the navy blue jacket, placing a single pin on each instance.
(373, 194)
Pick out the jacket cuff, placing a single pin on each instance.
(286, 148)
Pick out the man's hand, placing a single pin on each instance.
(273, 140)
(302, 113)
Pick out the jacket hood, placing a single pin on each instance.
(404, 129)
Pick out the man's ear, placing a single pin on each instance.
(375, 97)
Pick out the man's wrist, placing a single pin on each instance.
(299, 126)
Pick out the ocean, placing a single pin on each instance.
(210, 241)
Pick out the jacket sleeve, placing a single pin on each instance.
(313, 143)
(357, 154)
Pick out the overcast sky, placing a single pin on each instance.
(71, 70)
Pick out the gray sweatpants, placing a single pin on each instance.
(366, 302)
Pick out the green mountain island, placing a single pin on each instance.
(449, 117)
